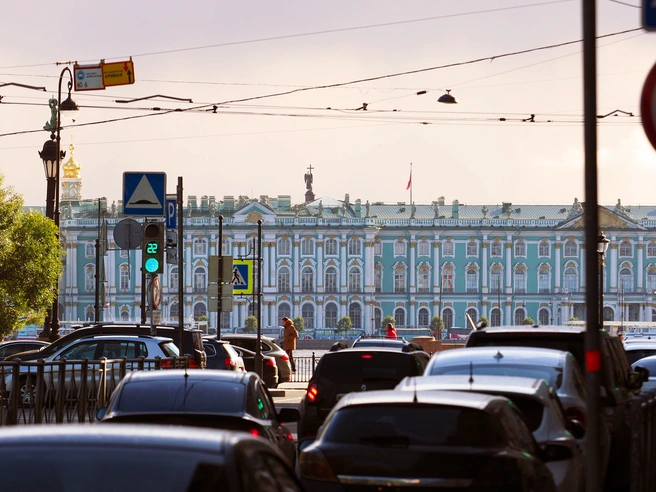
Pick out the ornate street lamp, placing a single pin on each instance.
(52, 155)
(602, 247)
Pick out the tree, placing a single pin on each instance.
(483, 322)
(299, 323)
(30, 263)
(251, 324)
(572, 318)
(436, 326)
(528, 321)
(344, 324)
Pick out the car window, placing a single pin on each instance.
(262, 471)
(375, 424)
(617, 365)
(246, 343)
(354, 367)
(82, 350)
(170, 349)
(553, 375)
(532, 409)
(519, 436)
(210, 350)
(265, 411)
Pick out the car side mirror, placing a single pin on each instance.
(635, 380)
(305, 443)
(557, 452)
(644, 372)
(101, 413)
(575, 427)
(289, 415)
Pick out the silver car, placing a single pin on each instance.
(540, 407)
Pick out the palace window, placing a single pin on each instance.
(307, 246)
(399, 248)
(496, 248)
(423, 248)
(544, 249)
(472, 248)
(472, 281)
(330, 284)
(448, 248)
(354, 280)
(520, 281)
(355, 246)
(307, 279)
(423, 279)
(200, 247)
(626, 249)
(330, 247)
(520, 248)
(570, 249)
(284, 246)
(284, 279)
(331, 315)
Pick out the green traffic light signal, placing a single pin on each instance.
(152, 247)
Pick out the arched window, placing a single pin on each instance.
(355, 279)
(200, 310)
(520, 248)
(626, 280)
(423, 317)
(284, 246)
(543, 316)
(307, 279)
(520, 281)
(330, 284)
(125, 277)
(125, 316)
(90, 250)
(200, 278)
(307, 246)
(495, 280)
(284, 279)
(473, 314)
(307, 311)
(423, 279)
(472, 281)
(544, 280)
(90, 277)
(355, 246)
(200, 247)
(544, 249)
(399, 316)
(173, 278)
(226, 246)
(570, 249)
(472, 248)
(447, 317)
(447, 279)
(284, 310)
(626, 249)
(570, 280)
(173, 311)
(520, 314)
(650, 284)
(378, 279)
(448, 248)
(399, 279)
(651, 249)
(355, 313)
(496, 248)
(495, 317)
(90, 314)
(423, 248)
(330, 247)
(331, 315)
(378, 248)
(399, 248)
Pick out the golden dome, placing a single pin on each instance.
(71, 168)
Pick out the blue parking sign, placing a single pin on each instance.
(649, 15)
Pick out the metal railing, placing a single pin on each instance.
(305, 367)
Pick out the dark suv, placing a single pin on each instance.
(193, 341)
(343, 370)
(619, 383)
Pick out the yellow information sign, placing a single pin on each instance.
(119, 73)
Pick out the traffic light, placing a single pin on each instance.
(152, 247)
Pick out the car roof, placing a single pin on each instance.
(123, 337)
(451, 398)
(532, 329)
(407, 349)
(228, 336)
(640, 346)
(182, 374)
(540, 356)
(482, 383)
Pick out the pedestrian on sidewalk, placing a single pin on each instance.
(289, 343)
(391, 331)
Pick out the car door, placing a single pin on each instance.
(74, 353)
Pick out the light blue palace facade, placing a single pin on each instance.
(326, 258)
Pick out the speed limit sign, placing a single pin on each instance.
(156, 291)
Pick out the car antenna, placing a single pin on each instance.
(414, 398)
(471, 373)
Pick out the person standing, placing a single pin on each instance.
(289, 343)
(391, 331)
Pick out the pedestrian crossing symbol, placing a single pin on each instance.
(242, 277)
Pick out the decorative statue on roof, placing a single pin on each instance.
(320, 208)
(413, 210)
(436, 208)
(68, 211)
(366, 208)
(212, 208)
(485, 210)
(114, 213)
(308, 178)
(51, 125)
(576, 209)
(619, 208)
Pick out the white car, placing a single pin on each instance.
(540, 407)
(636, 350)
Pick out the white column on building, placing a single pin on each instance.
(265, 263)
(273, 279)
(582, 259)
(508, 266)
(265, 314)
(640, 251)
(296, 265)
(188, 276)
(557, 261)
(113, 279)
(413, 266)
(436, 275)
(485, 288)
(412, 321)
(343, 281)
(612, 269)
(320, 279)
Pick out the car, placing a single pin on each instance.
(11, 347)
(619, 383)
(540, 407)
(268, 346)
(269, 366)
(192, 341)
(375, 341)
(92, 348)
(343, 370)
(222, 355)
(217, 399)
(635, 350)
(73, 457)
(648, 363)
(426, 440)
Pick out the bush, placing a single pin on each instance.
(299, 323)
(387, 319)
(251, 324)
(437, 325)
(528, 321)
(344, 324)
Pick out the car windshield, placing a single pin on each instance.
(636, 355)
(157, 469)
(199, 396)
(170, 349)
(553, 375)
(378, 425)
(355, 367)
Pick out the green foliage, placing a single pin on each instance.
(387, 319)
(251, 324)
(437, 325)
(203, 317)
(299, 323)
(344, 324)
(30, 263)
(572, 318)
(528, 321)
(483, 321)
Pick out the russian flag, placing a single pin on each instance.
(409, 182)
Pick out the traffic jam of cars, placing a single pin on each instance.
(506, 410)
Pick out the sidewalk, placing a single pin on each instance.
(289, 390)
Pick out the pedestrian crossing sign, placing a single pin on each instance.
(242, 277)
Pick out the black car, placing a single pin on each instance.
(268, 347)
(192, 341)
(269, 366)
(11, 347)
(343, 370)
(217, 399)
(221, 355)
(126, 457)
(619, 383)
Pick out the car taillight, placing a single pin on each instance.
(254, 432)
(230, 362)
(165, 364)
(270, 362)
(284, 357)
(312, 392)
(367, 356)
(193, 364)
(576, 413)
(314, 466)
(288, 435)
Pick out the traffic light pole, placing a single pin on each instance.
(219, 299)
(180, 266)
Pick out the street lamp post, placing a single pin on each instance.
(602, 247)
(52, 155)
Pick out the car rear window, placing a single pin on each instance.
(553, 375)
(397, 425)
(532, 410)
(183, 396)
(170, 349)
(636, 355)
(353, 367)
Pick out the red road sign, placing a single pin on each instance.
(156, 291)
(648, 106)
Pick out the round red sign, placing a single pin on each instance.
(156, 291)
(648, 106)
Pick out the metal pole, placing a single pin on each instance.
(143, 287)
(258, 348)
(592, 339)
(219, 310)
(97, 300)
(180, 266)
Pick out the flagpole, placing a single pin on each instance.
(411, 184)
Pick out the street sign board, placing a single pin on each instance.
(171, 208)
(242, 276)
(214, 268)
(88, 78)
(119, 73)
(649, 15)
(648, 106)
(144, 193)
(157, 317)
(128, 234)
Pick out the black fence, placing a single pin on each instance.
(64, 391)
(643, 440)
(305, 367)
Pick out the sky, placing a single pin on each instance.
(333, 85)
